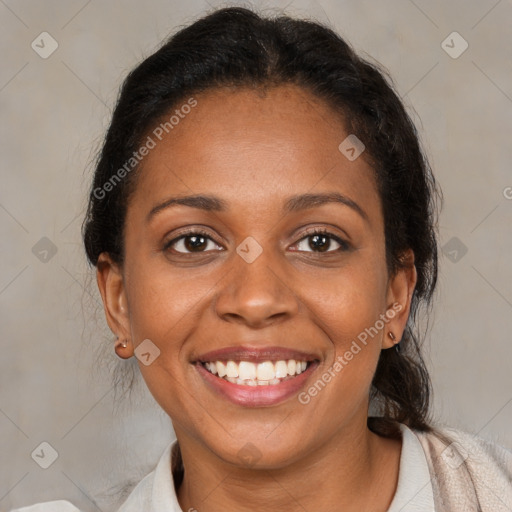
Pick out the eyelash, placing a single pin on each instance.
(344, 246)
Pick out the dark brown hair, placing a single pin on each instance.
(237, 47)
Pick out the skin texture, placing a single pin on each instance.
(254, 150)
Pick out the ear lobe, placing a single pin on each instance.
(400, 290)
(111, 285)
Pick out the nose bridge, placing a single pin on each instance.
(255, 293)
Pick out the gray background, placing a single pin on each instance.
(55, 379)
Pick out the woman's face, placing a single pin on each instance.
(255, 285)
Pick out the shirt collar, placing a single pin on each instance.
(168, 477)
(414, 491)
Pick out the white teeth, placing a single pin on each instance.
(232, 369)
(221, 368)
(246, 370)
(212, 367)
(252, 374)
(281, 369)
(265, 371)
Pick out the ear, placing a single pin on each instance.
(111, 285)
(399, 295)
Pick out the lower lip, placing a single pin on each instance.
(256, 396)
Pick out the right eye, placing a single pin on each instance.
(192, 242)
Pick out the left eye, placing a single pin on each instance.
(320, 241)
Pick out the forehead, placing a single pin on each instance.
(250, 145)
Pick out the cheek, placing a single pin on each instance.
(162, 303)
(163, 310)
(349, 301)
(347, 307)
(344, 380)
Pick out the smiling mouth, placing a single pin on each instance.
(265, 373)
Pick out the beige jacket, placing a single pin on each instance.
(468, 473)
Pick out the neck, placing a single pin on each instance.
(356, 470)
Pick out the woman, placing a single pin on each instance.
(263, 224)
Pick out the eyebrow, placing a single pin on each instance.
(304, 201)
(292, 204)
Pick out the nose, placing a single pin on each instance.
(256, 294)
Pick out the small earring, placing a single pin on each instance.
(123, 343)
(397, 343)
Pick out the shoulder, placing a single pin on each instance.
(49, 506)
(457, 446)
(468, 469)
(154, 492)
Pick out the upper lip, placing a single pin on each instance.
(256, 354)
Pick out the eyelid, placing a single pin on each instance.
(334, 231)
